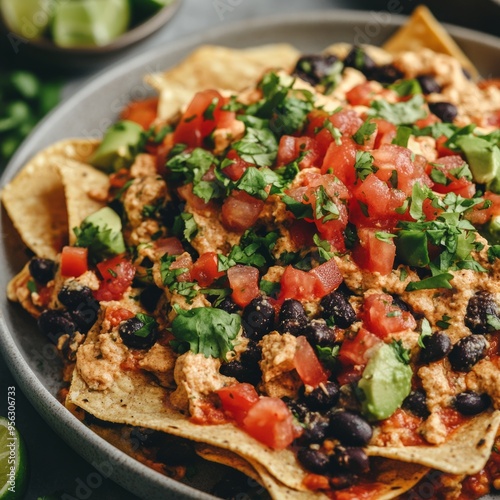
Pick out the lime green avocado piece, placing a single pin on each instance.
(483, 158)
(90, 22)
(27, 18)
(109, 238)
(116, 148)
(491, 230)
(385, 384)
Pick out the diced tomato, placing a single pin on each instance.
(407, 424)
(205, 269)
(118, 179)
(375, 204)
(361, 95)
(169, 246)
(481, 215)
(458, 185)
(237, 167)
(307, 364)
(270, 421)
(142, 112)
(427, 121)
(237, 400)
(301, 233)
(430, 212)
(328, 278)
(290, 148)
(442, 150)
(494, 118)
(74, 261)
(115, 315)
(382, 317)
(315, 482)
(183, 261)
(373, 254)
(186, 193)
(117, 274)
(244, 282)
(208, 414)
(340, 159)
(386, 132)
(240, 211)
(390, 157)
(347, 121)
(356, 350)
(296, 284)
(201, 117)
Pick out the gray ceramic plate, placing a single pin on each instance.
(87, 114)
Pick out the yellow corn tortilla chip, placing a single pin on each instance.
(86, 189)
(216, 67)
(422, 30)
(17, 291)
(36, 200)
(465, 452)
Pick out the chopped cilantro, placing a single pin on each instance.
(299, 210)
(364, 132)
(364, 208)
(332, 78)
(190, 166)
(334, 131)
(205, 330)
(258, 146)
(325, 206)
(402, 354)
(385, 237)
(425, 332)
(402, 135)
(493, 253)
(493, 321)
(185, 226)
(328, 355)
(150, 325)
(32, 286)
(403, 274)
(324, 248)
(270, 288)
(399, 113)
(439, 177)
(444, 322)
(438, 281)
(208, 114)
(364, 165)
(406, 87)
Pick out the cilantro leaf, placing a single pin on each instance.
(426, 332)
(402, 354)
(299, 210)
(438, 281)
(402, 135)
(364, 132)
(149, 325)
(384, 236)
(406, 87)
(206, 330)
(190, 166)
(325, 208)
(328, 355)
(399, 113)
(324, 248)
(258, 146)
(364, 165)
(270, 288)
(493, 253)
(185, 226)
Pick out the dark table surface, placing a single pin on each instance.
(54, 467)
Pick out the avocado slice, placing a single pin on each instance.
(483, 158)
(491, 230)
(117, 147)
(101, 233)
(385, 384)
(90, 22)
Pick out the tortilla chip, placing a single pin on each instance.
(86, 190)
(17, 291)
(341, 49)
(465, 452)
(422, 30)
(216, 67)
(36, 200)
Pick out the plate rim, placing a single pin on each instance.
(32, 386)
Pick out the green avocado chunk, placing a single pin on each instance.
(101, 233)
(483, 158)
(90, 22)
(117, 146)
(491, 230)
(385, 384)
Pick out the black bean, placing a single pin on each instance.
(73, 294)
(54, 323)
(142, 436)
(314, 460)
(471, 403)
(350, 428)
(323, 397)
(314, 68)
(444, 110)
(130, 327)
(467, 352)
(416, 403)
(234, 486)
(175, 451)
(252, 353)
(42, 270)
(85, 316)
(299, 409)
(150, 296)
(242, 373)
(319, 333)
(257, 318)
(353, 460)
(292, 317)
(227, 304)
(386, 73)
(315, 429)
(436, 347)
(337, 306)
(359, 59)
(482, 314)
(428, 84)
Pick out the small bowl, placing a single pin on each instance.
(43, 54)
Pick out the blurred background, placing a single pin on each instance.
(36, 75)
